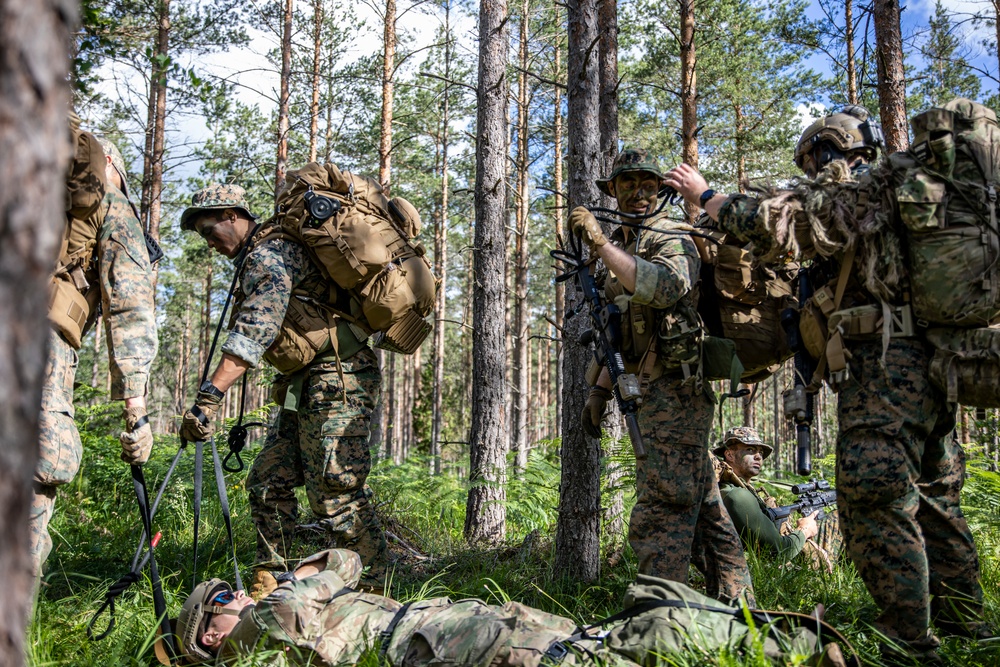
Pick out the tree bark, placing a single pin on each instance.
(317, 57)
(485, 520)
(159, 127)
(891, 77)
(852, 76)
(441, 260)
(607, 17)
(578, 529)
(281, 162)
(559, 212)
(34, 70)
(689, 94)
(388, 69)
(519, 407)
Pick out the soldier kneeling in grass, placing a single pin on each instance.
(315, 617)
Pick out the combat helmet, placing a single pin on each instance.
(215, 196)
(194, 616)
(630, 159)
(852, 129)
(745, 434)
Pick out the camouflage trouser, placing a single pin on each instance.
(899, 478)
(679, 510)
(324, 447)
(59, 446)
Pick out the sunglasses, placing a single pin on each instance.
(224, 598)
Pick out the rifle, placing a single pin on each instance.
(813, 495)
(798, 402)
(606, 334)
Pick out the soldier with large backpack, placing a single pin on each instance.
(103, 267)
(333, 266)
(914, 248)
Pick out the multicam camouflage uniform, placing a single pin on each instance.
(320, 620)
(899, 470)
(319, 439)
(130, 327)
(678, 508)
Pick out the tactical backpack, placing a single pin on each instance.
(742, 300)
(74, 295)
(948, 209)
(361, 241)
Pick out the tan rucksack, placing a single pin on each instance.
(949, 209)
(361, 241)
(742, 300)
(74, 294)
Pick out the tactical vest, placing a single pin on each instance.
(312, 325)
(75, 293)
(361, 241)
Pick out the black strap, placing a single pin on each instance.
(386, 635)
(238, 434)
(199, 462)
(139, 423)
(220, 483)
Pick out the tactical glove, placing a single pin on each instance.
(137, 438)
(593, 411)
(199, 422)
(583, 223)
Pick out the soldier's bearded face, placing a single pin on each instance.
(636, 191)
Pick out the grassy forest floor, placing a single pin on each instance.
(97, 524)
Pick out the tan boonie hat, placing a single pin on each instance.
(117, 161)
(215, 196)
(630, 159)
(746, 435)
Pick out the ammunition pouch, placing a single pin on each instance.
(966, 365)
(70, 309)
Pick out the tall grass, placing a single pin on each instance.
(97, 525)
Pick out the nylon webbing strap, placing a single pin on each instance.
(199, 462)
(220, 483)
(386, 635)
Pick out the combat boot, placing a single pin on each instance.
(263, 583)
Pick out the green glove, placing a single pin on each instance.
(593, 410)
(199, 422)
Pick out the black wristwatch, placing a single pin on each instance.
(208, 388)
(705, 196)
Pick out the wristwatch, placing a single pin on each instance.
(208, 388)
(705, 196)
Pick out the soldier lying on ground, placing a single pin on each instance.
(315, 617)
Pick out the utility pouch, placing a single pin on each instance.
(966, 365)
(812, 329)
(69, 309)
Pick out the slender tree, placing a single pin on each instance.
(578, 529)
(852, 77)
(317, 60)
(152, 190)
(485, 517)
(34, 69)
(559, 208)
(891, 75)
(281, 162)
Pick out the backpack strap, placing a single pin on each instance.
(835, 356)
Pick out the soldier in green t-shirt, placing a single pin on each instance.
(743, 453)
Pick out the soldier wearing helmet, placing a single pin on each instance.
(651, 275)
(849, 134)
(315, 617)
(742, 454)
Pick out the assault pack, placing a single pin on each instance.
(742, 300)
(362, 241)
(948, 209)
(74, 294)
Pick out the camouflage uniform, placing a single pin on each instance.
(678, 508)
(130, 327)
(899, 476)
(319, 438)
(320, 620)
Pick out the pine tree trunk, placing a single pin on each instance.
(441, 263)
(891, 77)
(519, 407)
(281, 162)
(485, 520)
(578, 530)
(388, 69)
(317, 57)
(159, 127)
(559, 212)
(689, 93)
(34, 152)
(852, 77)
(607, 17)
